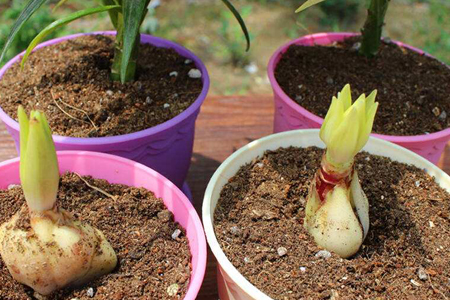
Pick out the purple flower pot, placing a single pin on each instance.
(166, 148)
(289, 115)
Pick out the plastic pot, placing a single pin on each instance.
(166, 148)
(115, 169)
(289, 115)
(232, 285)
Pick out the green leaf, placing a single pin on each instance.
(240, 20)
(133, 15)
(26, 13)
(58, 5)
(53, 26)
(113, 14)
(308, 4)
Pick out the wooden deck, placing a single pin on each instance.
(224, 125)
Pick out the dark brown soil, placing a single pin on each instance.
(259, 224)
(70, 82)
(413, 89)
(139, 228)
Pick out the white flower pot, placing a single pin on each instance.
(232, 285)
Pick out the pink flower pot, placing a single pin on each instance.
(115, 169)
(167, 147)
(289, 115)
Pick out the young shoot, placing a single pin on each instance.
(42, 245)
(337, 210)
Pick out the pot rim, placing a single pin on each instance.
(374, 143)
(333, 35)
(194, 224)
(160, 42)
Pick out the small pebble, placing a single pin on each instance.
(235, 230)
(300, 86)
(260, 165)
(367, 158)
(282, 251)
(176, 234)
(298, 98)
(195, 73)
(417, 183)
(436, 111)
(251, 68)
(246, 260)
(11, 186)
(431, 224)
(323, 254)
(415, 282)
(422, 274)
(187, 61)
(148, 100)
(172, 290)
(356, 46)
(330, 80)
(166, 105)
(173, 74)
(90, 292)
(303, 269)
(443, 116)
(109, 93)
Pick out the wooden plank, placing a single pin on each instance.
(224, 125)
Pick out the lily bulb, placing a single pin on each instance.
(337, 209)
(42, 245)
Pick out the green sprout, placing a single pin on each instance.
(337, 210)
(373, 26)
(126, 17)
(56, 250)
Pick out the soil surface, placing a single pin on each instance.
(139, 228)
(71, 83)
(413, 89)
(259, 224)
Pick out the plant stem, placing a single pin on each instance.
(118, 51)
(371, 32)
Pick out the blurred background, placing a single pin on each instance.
(207, 28)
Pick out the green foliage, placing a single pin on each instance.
(28, 31)
(338, 11)
(230, 48)
(127, 20)
(373, 26)
(61, 22)
(437, 39)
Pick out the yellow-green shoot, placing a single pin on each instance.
(56, 250)
(337, 210)
(39, 171)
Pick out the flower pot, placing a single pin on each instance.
(289, 115)
(124, 171)
(234, 286)
(166, 148)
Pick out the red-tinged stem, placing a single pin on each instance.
(328, 177)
